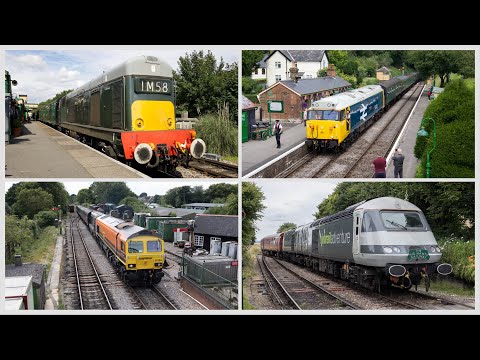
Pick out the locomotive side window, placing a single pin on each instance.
(401, 220)
(368, 224)
(356, 227)
(135, 247)
(122, 246)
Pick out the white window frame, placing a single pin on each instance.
(278, 77)
(215, 238)
(278, 64)
(198, 239)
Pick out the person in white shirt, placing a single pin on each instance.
(277, 130)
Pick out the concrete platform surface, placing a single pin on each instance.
(407, 140)
(255, 153)
(43, 152)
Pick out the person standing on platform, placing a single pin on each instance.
(277, 130)
(398, 158)
(379, 163)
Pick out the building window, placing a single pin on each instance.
(324, 64)
(278, 77)
(198, 240)
(308, 77)
(215, 238)
(263, 71)
(278, 65)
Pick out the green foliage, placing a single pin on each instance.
(220, 191)
(17, 232)
(337, 57)
(85, 196)
(352, 79)
(251, 86)
(136, 204)
(438, 201)
(286, 226)
(252, 204)
(178, 196)
(56, 189)
(230, 207)
(46, 218)
(249, 60)
(55, 98)
(219, 133)
(172, 213)
(203, 84)
(454, 115)
(461, 255)
(442, 63)
(110, 192)
(31, 201)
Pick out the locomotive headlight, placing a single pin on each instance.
(387, 250)
(433, 249)
(131, 266)
(396, 249)
(158, 264)
(438, 249)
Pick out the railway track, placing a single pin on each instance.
(364, 299)
(150, 298)
(173, 256)
(275, 288)
(384, 142)
(429, 302)
(91, 292)
(303, 293)
(357, 161)
(214, 168)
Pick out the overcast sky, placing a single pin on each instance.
(290, 201)
(41, 74)
(150, 187)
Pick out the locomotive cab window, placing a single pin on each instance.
(402, 220)
(154, 246)
(135, 247)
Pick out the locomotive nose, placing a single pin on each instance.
(198, 148)
(143, 153)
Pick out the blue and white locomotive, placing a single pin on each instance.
(376, 243)
(335, 121)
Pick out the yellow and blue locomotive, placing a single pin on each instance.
(335, 121)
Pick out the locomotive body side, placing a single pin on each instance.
(328, 125)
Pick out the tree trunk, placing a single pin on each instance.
(442, 80)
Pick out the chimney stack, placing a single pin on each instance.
(331, 70)
(294, 72)
(18, 260)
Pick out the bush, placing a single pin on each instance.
(454, 114)
(219, 133)
(45, 218)
(461, 255)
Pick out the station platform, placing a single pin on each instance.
(43, 152)
(407, 140)
(255, 153)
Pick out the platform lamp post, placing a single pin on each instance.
(423, 133)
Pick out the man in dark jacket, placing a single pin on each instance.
(398, 163)
(278, 130)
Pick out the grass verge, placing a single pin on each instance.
(249, 255)
(42, 249)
